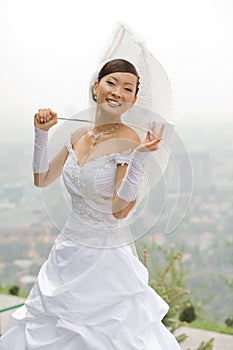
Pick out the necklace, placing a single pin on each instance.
(95, 137)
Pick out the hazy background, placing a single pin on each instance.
(49, 50)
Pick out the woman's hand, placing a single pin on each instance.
(151, 142)
(44, 119)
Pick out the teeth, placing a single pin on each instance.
(114, 103)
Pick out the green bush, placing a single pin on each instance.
(229, 322)
(169, 283)
(14, 290)
(188, 314)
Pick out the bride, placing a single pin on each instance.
(94, 296)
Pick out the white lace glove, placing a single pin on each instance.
(40, 156)
(129, 185)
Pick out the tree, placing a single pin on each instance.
(169, 284)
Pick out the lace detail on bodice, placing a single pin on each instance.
(94, 182)
(91, 187)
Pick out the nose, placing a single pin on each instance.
(116, 92)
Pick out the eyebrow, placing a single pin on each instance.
(111, 76)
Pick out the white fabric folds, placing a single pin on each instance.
(92, 292)
(128, 189)
(40, 155)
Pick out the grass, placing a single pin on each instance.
(5, 290)
(209, 326)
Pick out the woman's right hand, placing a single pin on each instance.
(44, 119)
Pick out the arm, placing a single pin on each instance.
(44, 119)
(54, 171)
(127, 183)
(46, 172)
(121, 207)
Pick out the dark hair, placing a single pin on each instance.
(117, 65)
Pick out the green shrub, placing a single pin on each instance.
(188, 314)
(169, 284)
(229, 322)
(14, 290)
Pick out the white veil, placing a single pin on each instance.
(154, 102)
(155, 88)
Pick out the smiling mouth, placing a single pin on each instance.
(113, 103)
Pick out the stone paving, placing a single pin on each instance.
(196, 336)
(6, 301)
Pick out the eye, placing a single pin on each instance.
(110, 82)
(128, 89)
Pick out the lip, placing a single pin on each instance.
(113, 103)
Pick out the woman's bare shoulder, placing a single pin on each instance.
(78, 133)
(130, 137)
(130, 133)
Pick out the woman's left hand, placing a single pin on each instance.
(151, 142)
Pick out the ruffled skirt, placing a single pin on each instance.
(90, 299)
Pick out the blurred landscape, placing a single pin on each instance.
(204, 235)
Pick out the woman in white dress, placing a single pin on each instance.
(94, 296)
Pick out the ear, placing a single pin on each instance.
(134, 100)
(95, 87)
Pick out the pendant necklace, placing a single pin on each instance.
(106, 132)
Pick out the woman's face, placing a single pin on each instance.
(116, 92)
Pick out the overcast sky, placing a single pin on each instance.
(49, 50)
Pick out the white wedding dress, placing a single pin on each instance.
(92, 295)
